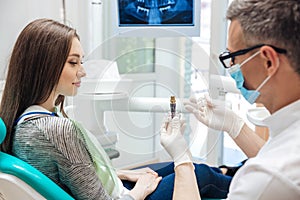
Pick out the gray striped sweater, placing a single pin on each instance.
(54, 146)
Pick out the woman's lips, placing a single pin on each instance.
(77, 84)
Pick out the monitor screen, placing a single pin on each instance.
(165, 17)
(155, 12)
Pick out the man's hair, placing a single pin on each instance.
(275, 22)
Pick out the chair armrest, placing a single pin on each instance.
(33, 177)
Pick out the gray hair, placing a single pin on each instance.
(275, 22)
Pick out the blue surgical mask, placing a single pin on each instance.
(236, 73)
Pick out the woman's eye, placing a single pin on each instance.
(73, 63)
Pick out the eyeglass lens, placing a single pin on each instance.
(229, 61)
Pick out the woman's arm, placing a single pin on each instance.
(144, 186)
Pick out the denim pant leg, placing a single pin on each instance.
(163, 170)
(211, 182)
(164, 190)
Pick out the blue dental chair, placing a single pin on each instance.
(19, 180)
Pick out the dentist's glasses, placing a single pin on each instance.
(227, 58)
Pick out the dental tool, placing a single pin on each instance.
(173, 106)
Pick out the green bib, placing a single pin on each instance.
(102, 163)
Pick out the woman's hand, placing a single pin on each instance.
(145, 185)
(134, 175)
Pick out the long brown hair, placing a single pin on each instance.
(36, 63)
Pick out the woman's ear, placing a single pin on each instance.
(271, 59)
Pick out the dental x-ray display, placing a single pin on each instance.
(156, 12)
(156, 18)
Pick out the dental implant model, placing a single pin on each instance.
(173, 106)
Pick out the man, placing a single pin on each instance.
(271, 28)
(263, 58)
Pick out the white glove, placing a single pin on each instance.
(173, 141)
(215, 115)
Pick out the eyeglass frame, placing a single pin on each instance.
(232, 55)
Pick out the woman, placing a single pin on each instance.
(46, 66)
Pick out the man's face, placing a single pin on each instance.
(253, 70)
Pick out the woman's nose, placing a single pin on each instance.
(81, 72)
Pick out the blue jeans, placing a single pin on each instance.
(211, 182)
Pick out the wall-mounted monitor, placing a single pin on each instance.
(157, 18)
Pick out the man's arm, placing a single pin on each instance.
(185, 185)
(216, 115)
(249, 141)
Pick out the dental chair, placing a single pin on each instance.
(19, 180)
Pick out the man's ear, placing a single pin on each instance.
(271, 59)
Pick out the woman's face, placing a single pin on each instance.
(73, 71)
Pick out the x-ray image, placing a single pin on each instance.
(155, 12)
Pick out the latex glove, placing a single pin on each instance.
(173, 141)
(215, 115)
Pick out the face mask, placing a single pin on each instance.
(236, 74)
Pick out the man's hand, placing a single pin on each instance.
(215, 115)
(173, 141)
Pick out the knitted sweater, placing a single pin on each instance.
(54, 146)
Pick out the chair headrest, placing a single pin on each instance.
(2, 130)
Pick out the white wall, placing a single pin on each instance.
(14, 15)
(86, 17)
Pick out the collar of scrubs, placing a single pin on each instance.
(283, 118)
(34, 111)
